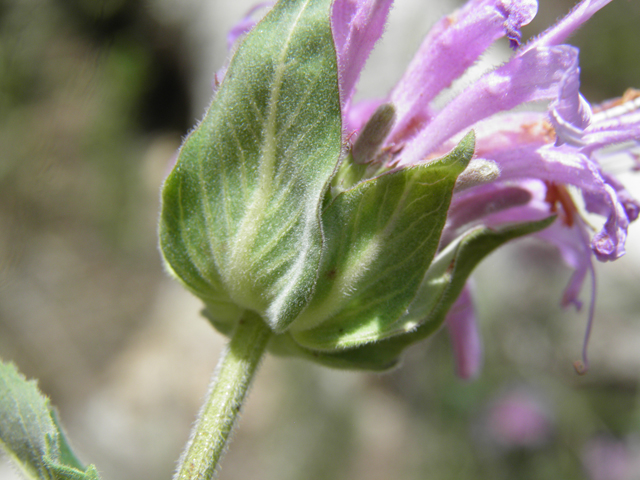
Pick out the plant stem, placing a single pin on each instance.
(227, 392)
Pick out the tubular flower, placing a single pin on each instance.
(351, 229)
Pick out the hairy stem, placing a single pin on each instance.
(227, 392)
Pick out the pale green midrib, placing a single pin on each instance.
(338, 295)
(245, 237)
(267, 271)
(256, 110)
(344, 282)
(387, 231)
(401, 202)
(292, 149)
(395, 266)
(396, 236)
(262, 253)
(427, 284)
(282, 192)
(329, 303)
(427, 192)
(337, 336)
(342, 287)
(390, 224)
(406, 230)
(353, 339)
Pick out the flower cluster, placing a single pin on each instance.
(527, 165)
(538, 154)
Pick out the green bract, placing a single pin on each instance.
(240, 220)
(262, 213)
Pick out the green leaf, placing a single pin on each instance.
(58, 471)
(380, 238)
(67, 457)
(240, 218)
(30, 432)
(25, 422)
(439, 290)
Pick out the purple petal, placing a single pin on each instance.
(630, 204)
(452, 46)
(608, 243)
(553, 164)
(575, 124)
(465, 336)
(531, 76)
(601, 138)
(524, 201)
(600, 197)
(356, 26)
(566, 165)
(518, 13)
(612, 130)
(534, 209)
(570, 113)
(513, 140)
(520, 152)
(570, 23)
(616, 107)
(495, 204)
(573, 245)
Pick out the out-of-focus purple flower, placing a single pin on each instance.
(518, 418)
(539, 155)
(606, 458)
(528, 165)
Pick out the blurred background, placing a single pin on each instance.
(95, 97)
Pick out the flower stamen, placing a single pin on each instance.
(559, 198)
(582, 366)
